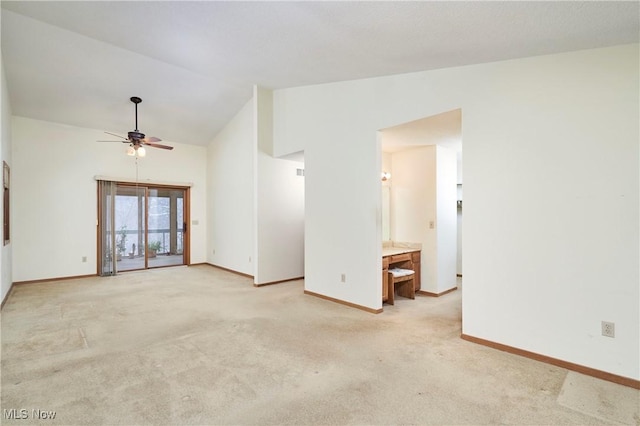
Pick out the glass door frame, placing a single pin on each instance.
(186, 246)
(184, 229)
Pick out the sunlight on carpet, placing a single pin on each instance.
(598, 398)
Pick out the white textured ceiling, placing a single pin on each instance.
(194, 63)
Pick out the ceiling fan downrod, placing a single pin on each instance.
(136, 100)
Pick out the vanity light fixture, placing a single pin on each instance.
(386, 176)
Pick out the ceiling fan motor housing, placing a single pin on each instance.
(135, 135)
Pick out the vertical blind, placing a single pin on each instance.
(106, 227)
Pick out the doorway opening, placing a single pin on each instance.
(421, 164)
(141, 226)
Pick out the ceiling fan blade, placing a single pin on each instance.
(157, 145)
(118, 136)
(115, 141)
(151, 139)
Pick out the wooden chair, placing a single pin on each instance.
(404, 281)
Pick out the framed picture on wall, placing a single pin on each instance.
(6, 179)
(5, 175)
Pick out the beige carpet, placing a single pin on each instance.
(598, 398)
(197, 345)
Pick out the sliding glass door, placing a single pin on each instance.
(166, 227)
(141, 227)
(130, 225)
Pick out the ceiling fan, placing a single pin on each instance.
(136, 139)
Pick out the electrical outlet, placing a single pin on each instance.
(343, 278)
(84, 259)
(608, 329)
(432, 224)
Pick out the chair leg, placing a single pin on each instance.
(407, 289)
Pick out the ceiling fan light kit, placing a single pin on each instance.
(136, 151)
(136, 139)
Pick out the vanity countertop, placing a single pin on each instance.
(392, 251)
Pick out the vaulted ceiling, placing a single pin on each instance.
(194, 63)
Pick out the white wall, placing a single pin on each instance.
(414, 207)
(279, 212)
(343, 218)
(5, 151)
(386, 166)
(54, 194)
(256, 202)
(459, 236)
(459, 215)
(446, 218)
(230, 189)
(423, 191)
(551, 194)
(386, 197)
